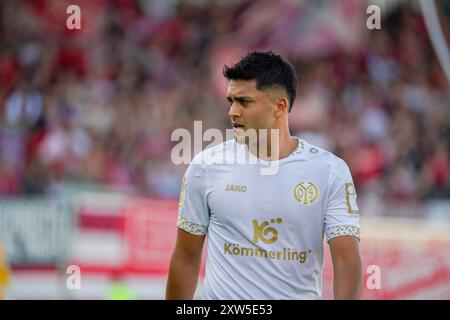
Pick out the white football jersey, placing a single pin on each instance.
(265, 232)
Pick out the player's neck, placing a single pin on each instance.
(274, 147)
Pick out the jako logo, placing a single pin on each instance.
(261, 232)
(236, 188)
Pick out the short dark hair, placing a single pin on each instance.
(268, 69)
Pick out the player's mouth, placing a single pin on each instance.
(237, 125)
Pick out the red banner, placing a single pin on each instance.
(406, 269)
(150, 234)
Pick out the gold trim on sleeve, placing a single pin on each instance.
(346, 230)
(191, 227)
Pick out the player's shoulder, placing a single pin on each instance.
(217, 154)
(314, 153)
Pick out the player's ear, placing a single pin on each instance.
(281, 107)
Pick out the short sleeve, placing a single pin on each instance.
(342, 214)
(193, 212)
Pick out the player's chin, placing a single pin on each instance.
(240, 137)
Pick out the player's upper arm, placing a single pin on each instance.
(342, 214)
(193, 212)
(188, 245)
(344, 249)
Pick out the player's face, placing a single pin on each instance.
(250, 108)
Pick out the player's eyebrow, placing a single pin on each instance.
(239, 98)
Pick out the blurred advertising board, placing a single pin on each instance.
(150, 233)
(136, 235)
(124, 237)
(410, 257)
(35, 231)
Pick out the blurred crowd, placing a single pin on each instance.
(99, 104)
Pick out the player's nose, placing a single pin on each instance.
(234, 112)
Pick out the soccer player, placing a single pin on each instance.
(265, 232)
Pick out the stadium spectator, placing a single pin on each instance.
(100, 105)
